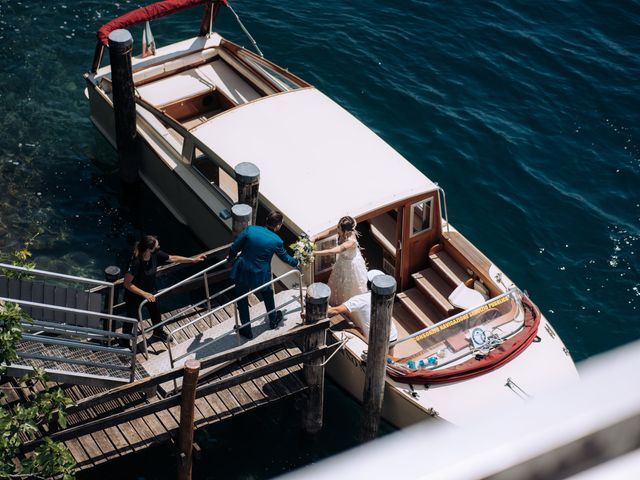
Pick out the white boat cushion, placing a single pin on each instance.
(214, 75)
(465, 297)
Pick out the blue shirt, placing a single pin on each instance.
(253, 266)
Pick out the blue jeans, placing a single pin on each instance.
(266, 295)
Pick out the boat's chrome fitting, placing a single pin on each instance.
(412, 392)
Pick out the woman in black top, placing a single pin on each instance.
(140, 280)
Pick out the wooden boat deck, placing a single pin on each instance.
(122, 438)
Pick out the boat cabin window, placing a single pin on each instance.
(215, 175)
(421, 213)
(268, 71)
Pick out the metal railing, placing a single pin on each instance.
(234, 302)
(72, 332)
(71, 278)
(207, 299)
(444, 207)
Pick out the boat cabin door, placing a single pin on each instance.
(420, 228)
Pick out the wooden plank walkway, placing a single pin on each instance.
(128, 437)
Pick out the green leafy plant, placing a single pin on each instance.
(50, 459)
(10, 331)
(19, 258)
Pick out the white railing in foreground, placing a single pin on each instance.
(70, 278)
(62, 329)
(234, 302)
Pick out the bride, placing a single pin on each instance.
(349, 275)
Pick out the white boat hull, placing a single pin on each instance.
(545, 364)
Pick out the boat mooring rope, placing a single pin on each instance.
(493, 341)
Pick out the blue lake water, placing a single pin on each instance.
(526, 113)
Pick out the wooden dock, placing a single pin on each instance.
(106, 424)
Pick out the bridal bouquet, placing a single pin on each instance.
(303, 250)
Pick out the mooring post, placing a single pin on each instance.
(383, 289)
(111, 274)
(187, 409)
(124, 106)
(240, 218)
(317, 302)
(248, 179)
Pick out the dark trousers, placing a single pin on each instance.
(243, 304)
(132, 304)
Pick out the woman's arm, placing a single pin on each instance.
(339, 249)
(128, 278)
(179, 259)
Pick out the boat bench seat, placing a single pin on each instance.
(215, 75)
(156, 70)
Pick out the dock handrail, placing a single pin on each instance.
(233, 302)
(208, 297)
(75, 330)
(63, 276)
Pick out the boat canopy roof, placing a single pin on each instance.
(317, 161)
(148, 12)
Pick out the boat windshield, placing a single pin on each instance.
(477, 330)
(284, 83)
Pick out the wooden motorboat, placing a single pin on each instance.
(468, 336)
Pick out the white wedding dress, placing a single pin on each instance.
(349, 276)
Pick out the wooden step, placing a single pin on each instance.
(435, 289)
(406, 324)
(448, 268)
(420, 308)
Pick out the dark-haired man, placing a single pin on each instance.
(253, 267)
(358, 310)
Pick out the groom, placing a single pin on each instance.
(253, 266)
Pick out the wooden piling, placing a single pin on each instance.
(187, 412)
(383, 289)
(317, 302)
(240, 218)
(248, 179)
(124, 107)
(112, 273)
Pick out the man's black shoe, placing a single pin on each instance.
(248, 334)
(161, 334)
(273, 323)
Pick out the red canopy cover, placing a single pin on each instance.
(150, 12)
